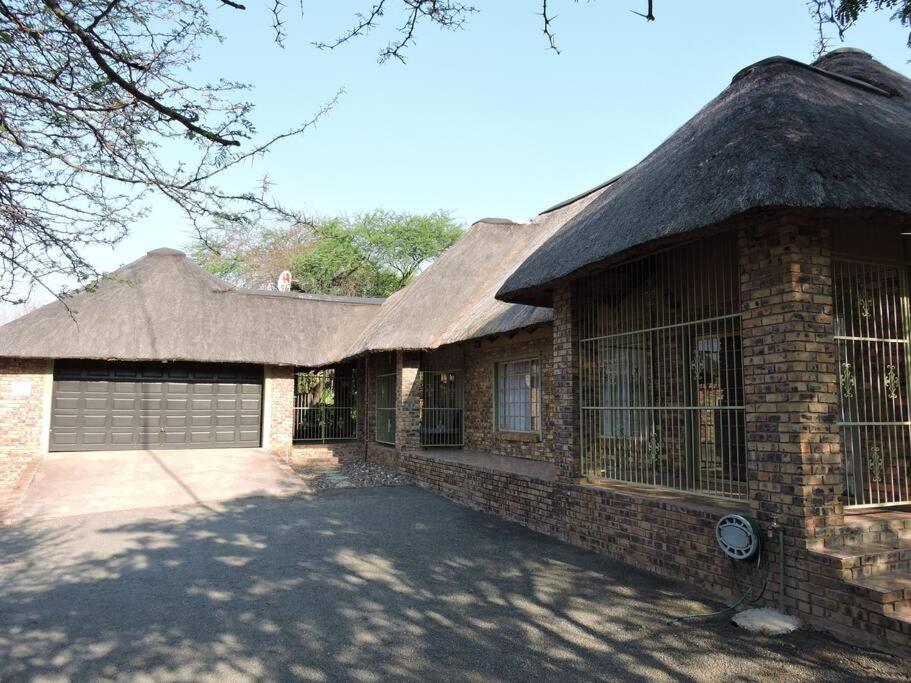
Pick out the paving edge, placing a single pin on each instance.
(15, 494)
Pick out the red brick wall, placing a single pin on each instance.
(671, 538)
(475, 360)
(790, 377)
(792, 449)
(480, 358)
(408, 401)
(668, 535)
(566, 374)
(279, 409)
(24, 395)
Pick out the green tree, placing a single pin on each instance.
(399, 245)
(333, 263)
(369, 254)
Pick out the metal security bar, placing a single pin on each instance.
(442, 410)
(325, 405)
(661, 376)
(385, 408)
(871, 339)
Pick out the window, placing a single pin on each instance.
(874, 356)
(625, 383)
(385, 408)
(441, 410)
(661, 373)
(517, 396)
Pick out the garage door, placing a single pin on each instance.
(122, 406)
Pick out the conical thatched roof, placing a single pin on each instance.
(165, 307)
(453, 300)
(834, 135)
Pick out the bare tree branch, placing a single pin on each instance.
(92, 92)
(547, 32)
(649, 13)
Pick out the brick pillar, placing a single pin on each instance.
(25, 415)
(408, 401)
(565, 385)
(278, 409)
(790, 378)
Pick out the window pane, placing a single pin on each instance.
(518, 396)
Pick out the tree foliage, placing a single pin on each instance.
(99, 110)
(369, 254)
(841, 15)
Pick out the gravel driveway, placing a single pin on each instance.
(367, 585)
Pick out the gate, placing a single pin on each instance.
(325, 405)
(871, 338)
(441, 411)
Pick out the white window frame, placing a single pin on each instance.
(621, 388)
(534, 402)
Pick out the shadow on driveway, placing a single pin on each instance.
(369, 585)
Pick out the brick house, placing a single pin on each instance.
(726, 327)
(162, 355)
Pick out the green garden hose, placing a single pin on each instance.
(744, 596)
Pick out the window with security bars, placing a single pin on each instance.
(624, 384)
(872, 345)
(325, 405)
(517, 397)
(660, 370)
(441, 409)
(385, 408)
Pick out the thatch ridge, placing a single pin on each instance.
(453, 300)
(164, 306)
(832, 135)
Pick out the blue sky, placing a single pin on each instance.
(486, 121)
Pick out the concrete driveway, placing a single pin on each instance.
(364, 585)
(83, 483)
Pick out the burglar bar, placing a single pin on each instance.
(441, 409)
(325, 405)
(661, 372)
(872, 348)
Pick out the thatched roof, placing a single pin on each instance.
(834, 135)
(453, 300)
(165, 307)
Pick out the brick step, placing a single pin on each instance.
(858, 560)
(872, 528)
(891, 592)
(897, 629)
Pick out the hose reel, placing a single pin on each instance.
(739, 537)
